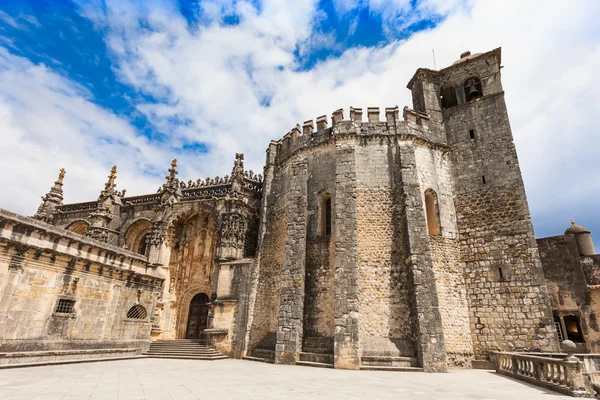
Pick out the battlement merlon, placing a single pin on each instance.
(411, 125)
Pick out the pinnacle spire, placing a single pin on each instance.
(110, 185)
(61, 176)
(52, 199)
(238, 164)
(172, 171)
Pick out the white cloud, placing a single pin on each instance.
(7, 19)
(220, 79)
(48, 122)
(14, 22)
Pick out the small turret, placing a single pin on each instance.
(109, 206)
(171, 190)
(51, 200)
(583, 238)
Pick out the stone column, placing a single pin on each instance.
(291, 308)
(425, 308)
(346, 341)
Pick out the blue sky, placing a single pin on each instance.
(88, 84)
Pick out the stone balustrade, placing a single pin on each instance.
(563, 375)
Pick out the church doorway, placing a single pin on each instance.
(197, 317)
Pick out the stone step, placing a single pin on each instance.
(185, 351)
(173, 342)
(386, 368)
(178, 347)
(188, 357)
(314, 364)
(78, 361)
(319, 350)
(316, 357)
(259, 359)
(263, 353)
(197, 341)
(196, 353)
(385, 361)
(483, 364)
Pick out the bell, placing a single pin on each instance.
(472, 93)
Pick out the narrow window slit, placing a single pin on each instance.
(328, 216)
(500, 274)
(472, 134)
(483, 179)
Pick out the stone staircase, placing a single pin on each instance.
(189, 349)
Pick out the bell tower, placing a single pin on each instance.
(505, 285)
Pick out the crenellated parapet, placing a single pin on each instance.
(413, 125)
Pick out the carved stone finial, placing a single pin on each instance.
(172, 170)
(569, 347)
(238, 165)
(110, 185)
(61, 176)
(572, 222)
(171, 190)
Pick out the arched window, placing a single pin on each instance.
(143, 245)
(136, 238)
(573, 328)
(433, 214)
(448, 96)
(79, 227)
(325, 214)
(138, 311)
(473, 88)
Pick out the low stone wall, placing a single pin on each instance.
(26, 357)
(563, 375)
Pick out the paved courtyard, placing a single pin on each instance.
(238, 379)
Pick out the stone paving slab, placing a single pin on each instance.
(159, 379)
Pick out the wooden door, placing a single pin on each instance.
(197, 317)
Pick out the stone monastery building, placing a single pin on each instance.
(394, 239)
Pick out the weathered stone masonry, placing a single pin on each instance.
(395, 240)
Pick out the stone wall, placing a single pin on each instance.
(320, 249)
(41, 265)
(291, 305)
(434, 173)
(453, 302)
(384, 293)
(508, 298)
(347, 293)
(269, 268)
(231, 307)
(568, 288)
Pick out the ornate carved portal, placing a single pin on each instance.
(198, 316)
(191, 271)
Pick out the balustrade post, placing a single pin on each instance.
(574, 370)
(575, 379)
